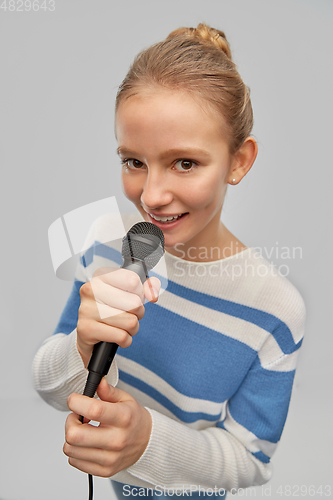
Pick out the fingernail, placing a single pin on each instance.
(155, 293)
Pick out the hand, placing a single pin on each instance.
(120, 439)
(111, 307)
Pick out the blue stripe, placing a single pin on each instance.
(195, 360)
(264, 320)
(68, 319)
(261, 456)
(261, 403)
(202, 363)
(184, 416)
(115, 256)
(102, 251)
(220, 424)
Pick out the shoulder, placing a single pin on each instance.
(274, 293)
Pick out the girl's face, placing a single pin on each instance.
(176, 166)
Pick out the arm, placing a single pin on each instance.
(210, 458)
(59, 367)
(58, 370)
(235, 453)
(231, 454)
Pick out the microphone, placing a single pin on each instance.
(142, 248)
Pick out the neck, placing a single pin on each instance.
(223, 244)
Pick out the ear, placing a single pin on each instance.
(243, 160)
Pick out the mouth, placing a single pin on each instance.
(166, 220)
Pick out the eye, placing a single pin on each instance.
(132, 163)
(185, 165)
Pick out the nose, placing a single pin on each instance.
(157, 191)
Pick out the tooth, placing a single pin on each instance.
(165, 219)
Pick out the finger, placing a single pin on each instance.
(117, 415)
(91, 468)
(151, 289)
(104, 270)
(90, 309)
(112, 394)
(94, 455)
(97, 331)
(72, 420)
(88, 437)
(117, 317)
(125, 280)
(115, 297)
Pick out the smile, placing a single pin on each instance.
(166, 220)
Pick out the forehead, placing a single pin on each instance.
(169, 113)
(162, 97)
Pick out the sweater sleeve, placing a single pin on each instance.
(57, 368)
(180, 457)
(236, 452)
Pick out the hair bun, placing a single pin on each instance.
(208, 34)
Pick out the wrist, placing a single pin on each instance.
(146, 425)
(149, 425)
(85, 355)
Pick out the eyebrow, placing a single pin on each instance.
(178, 152)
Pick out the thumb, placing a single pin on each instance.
(111, 394)
(151, 288)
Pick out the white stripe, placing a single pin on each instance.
(286, 363)
(256, 284)
(250, 440)
(256, 337)
(269, 351)
(150, 403)
(183, 402)
(230, 326)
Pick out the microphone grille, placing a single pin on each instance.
(147, 228)
(144, 241)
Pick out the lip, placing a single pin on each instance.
(163, 215)
(165, 226)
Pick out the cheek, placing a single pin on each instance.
(203, 194)
(131, 187)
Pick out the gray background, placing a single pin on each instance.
(59, 74)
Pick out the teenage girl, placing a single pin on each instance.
(202, 392)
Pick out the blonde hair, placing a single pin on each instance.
(196, 60)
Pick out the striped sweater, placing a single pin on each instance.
(213, 362)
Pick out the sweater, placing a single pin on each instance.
(213, 362)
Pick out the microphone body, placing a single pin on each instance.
(143, 246)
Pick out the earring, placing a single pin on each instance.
(233, 180)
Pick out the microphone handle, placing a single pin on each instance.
(104, 352)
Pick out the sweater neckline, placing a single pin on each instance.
(237, 255)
